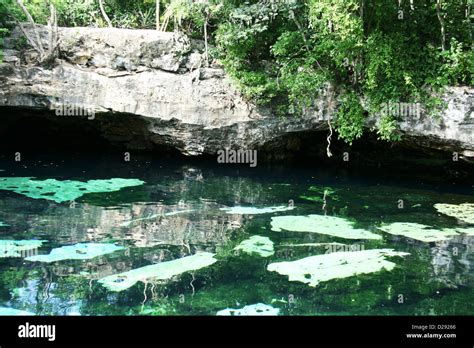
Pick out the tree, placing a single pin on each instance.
(44, 56)
(157, 14)
(104, 14)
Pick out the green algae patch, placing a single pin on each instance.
(328, 225)
(424, 233)
(160, 271)
(463, 212)
(254, 210)
(321, 268)
(259, 245)
(7, 311)
(252, 310)
(63, 191)
(17, 248)
(80, 251)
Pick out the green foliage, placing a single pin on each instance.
(350, 118)
(283, 53)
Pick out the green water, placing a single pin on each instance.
(177, 212)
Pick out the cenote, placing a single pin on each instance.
(95, 235)
(352, 195)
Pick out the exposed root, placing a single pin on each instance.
(191, 283)
(328, 149)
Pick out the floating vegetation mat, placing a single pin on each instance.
(255, 211)
(463, 212)
(18, 248)
(160, 271)
(321, 268)
(424, 233)
(63, 191)
(259, 245)
(6, 311)
(81, 251)
(255, 309)
(329, 225)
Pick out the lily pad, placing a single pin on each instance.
(80, 251)
(329, 225)
(15, 248)
(321, 268)
(62, 191)
(255, 309)
(160, 271)
(6, 311)
(424, 233)
(254, 210)
(463, 212)
(259, 245)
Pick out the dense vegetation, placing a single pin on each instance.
(285, 53)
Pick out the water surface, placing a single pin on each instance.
(178, 212)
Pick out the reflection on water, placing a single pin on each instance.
(178, 212)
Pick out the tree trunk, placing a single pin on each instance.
(36, 44)
(441, 22)
(102, 10)
(157, 14)
(205, 39)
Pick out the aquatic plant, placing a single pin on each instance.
(463, 212)
(62, 191)
(255, 309)
(160, 271)
(80, 251)
(329, 225)
(259, 245)
(321, 268)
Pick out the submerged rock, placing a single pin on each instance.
(252, 310)
(6, 311)
(81, 251)
(259, 245)
(424, 233)
(63, 191)
(463, 212)
(329, 225)
(160, 271)
(18, 248)
(321, 268)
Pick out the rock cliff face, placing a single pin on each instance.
(159, 82)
